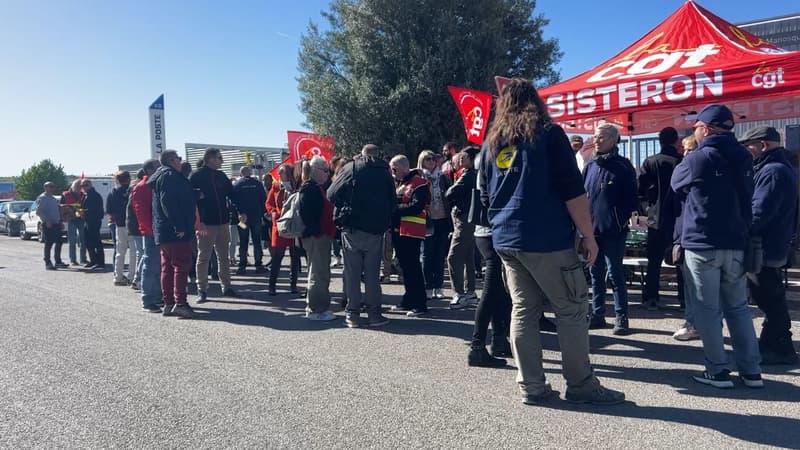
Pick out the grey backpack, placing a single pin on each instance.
(290, 224)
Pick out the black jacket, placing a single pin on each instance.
(131, 221)
(216, 189)
(365, 186)
(654, 188)
(173, 206)
(92, 205)
(117, 204)
(459, 195)
(249, 197)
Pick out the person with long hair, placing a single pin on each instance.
(535, 199)
(434, 251)
(278, 193)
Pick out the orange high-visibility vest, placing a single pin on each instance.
(413, 226)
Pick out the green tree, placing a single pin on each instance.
(31, 181)
(379, 72)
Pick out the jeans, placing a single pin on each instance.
(609, 262)
(137, 250)
(689, 311)
(151, 272)
(75, 229)
(176, 257)
(461, 258)
(495, 303)
(716, 287)
(337, 248)
(318, 251)
(408, 250)
(234, 242)
(252, 231)
(770, 296)
(362, 255)
(52, 237)
(658, 241)
(556, 276)
(434, 253)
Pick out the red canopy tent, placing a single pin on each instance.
(691, 59)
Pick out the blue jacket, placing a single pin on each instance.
(610, 182)
(117, 204)
(525, 187)
(249, 197)
(774, 205)
(173, 206)
(716, 181)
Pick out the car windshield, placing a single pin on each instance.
(18, 207)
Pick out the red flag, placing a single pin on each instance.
(274, 171)
(474, 107)
(303, 145)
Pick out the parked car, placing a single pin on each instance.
(32, 224)
(10, 213)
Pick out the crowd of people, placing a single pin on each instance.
(527, 213)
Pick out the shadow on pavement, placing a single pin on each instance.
(758, 429)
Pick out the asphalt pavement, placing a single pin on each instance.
(82, 367)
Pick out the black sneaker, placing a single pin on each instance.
(61, 265)
(89, 265)
(184, 311)
(501, 348)
(597, 396)
(621, 327)
(49, 266)
(74, 263)
(540, 398)
(721, 380)
(651, 305)
(597, 322)
(351, 320)
(229, 292)
(752, 381)
(241, 271)
(272, 291)
(479, 357)
(202, 297)
(151, 309)
(261, 269)
(167, 312)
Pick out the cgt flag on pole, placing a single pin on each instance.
(304, 146)
(158, 141)
(475, 107)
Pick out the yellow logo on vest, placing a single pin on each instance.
(505, 157)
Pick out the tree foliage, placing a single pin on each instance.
(379, 72)
(31, 181)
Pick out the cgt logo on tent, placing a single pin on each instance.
(473, 112)
(767, 78)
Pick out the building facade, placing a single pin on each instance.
(234, 157)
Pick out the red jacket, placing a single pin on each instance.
(142, 197)
(274, 204)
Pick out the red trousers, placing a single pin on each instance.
(176, 260)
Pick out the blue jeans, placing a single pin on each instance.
(138, 248)
(689, 311)
(151, 272)
(716, 288)
(609, 263)
(75, 238)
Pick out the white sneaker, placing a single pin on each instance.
(437, 293)
(336, 262)
(460, 301)
(429, 293)
(686, 333)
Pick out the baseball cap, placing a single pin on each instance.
(717, 116)
(769, 134)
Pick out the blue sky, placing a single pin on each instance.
(78, 76)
